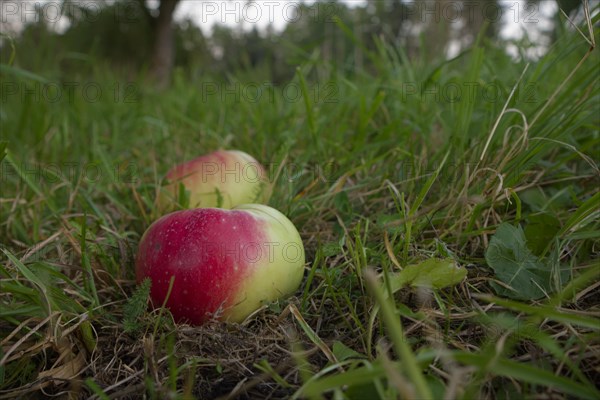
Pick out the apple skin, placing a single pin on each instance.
(224, 179)
(226, 263)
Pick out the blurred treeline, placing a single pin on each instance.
(119, 35)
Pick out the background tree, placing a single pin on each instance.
(163, 53)
(141, 38)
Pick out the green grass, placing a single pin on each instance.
(375, 176)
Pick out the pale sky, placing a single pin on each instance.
(261, 13)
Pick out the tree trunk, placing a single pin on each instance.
(163, 52)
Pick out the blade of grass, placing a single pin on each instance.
(396, 335)
(543, 311)
(89, 281)
(527, 373)
(309, 109)
(34, 279)
(312, 335)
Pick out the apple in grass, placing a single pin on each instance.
(223, 179)
(224, 263)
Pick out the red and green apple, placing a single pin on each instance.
(224, 179)
(224, 263)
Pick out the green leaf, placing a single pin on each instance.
(425, 189)
(364, 391)
(395, 333)
(540, 231)
(433, 273)
(389, 223)
(96, 389)
(361, 375)
(343, 352)
(218, 194)
(32, 278)
(544, 312)
(354, 377)
(525, 276)
(310, 114)
(3, 145)
(87, 336)
(21, 73)
(534, 198)
(342, 203)
(330, 249)
(586, 213)
(135, 307)
(527, 373)
(183, 197)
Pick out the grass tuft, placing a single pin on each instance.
(380, 179)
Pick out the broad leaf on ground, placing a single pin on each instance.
(540, 230)
(433, 273)
(525, 276)
(343, 352)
